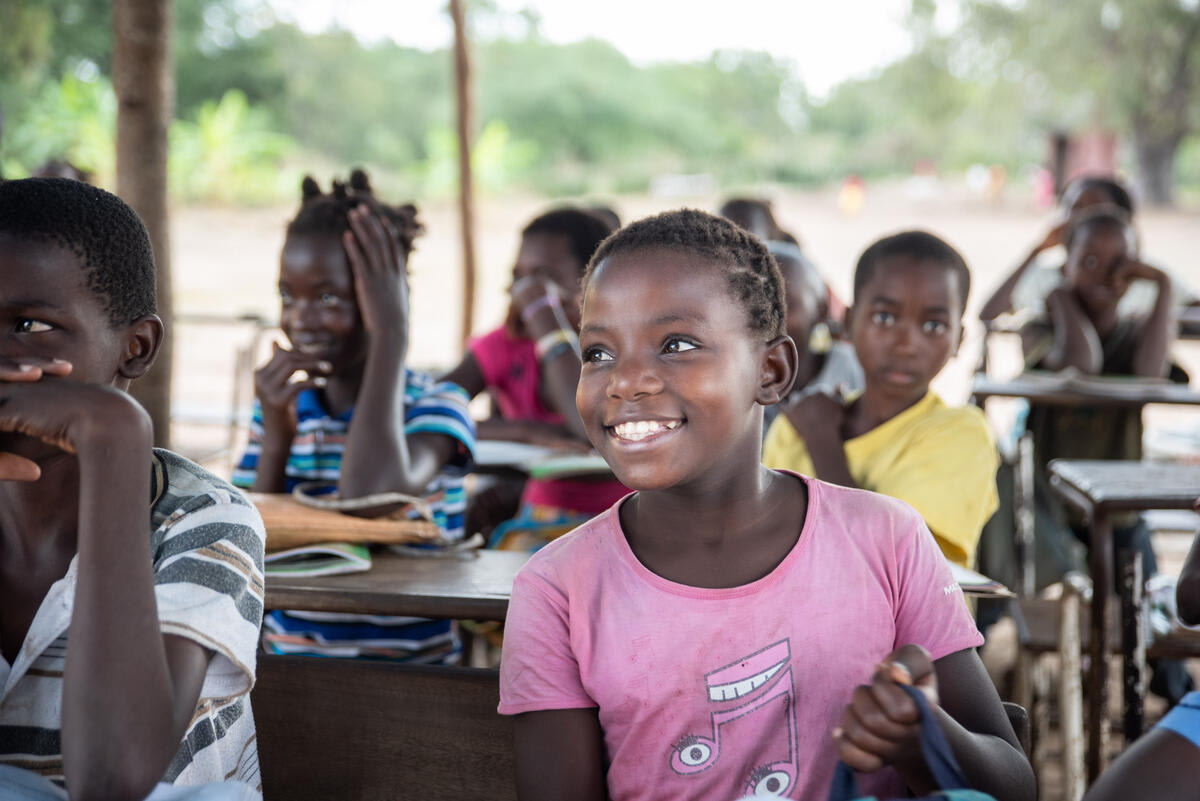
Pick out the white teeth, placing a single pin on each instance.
(638, 430)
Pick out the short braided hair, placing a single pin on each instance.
(327, 213)
(98, 227)
(917, 245)
(584, 229)
(749, 268)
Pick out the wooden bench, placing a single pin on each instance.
(355, 729)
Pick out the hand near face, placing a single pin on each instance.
(816, 411)
(71, 416)
(380, 282)
(276, 386)
(882, 724)
(1132, 270)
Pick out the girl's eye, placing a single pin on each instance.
(678, 345)
(883, 318)
(935, 327)
(285, 297)
(27, 325)
(329, 299)
(1090, 262)
(594, 355)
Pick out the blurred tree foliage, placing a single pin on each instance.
(259, 102)
(1130, 65)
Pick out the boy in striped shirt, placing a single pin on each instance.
(130, 579)
(340, 405)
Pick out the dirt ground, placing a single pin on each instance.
(225, 263)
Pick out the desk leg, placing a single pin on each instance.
(1101, 646)
(1133, 645)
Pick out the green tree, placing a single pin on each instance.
(1131, 64)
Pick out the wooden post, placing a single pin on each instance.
(143, 79)
(466, 201)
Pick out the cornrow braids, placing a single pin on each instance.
(327, 213)
(752, 274)
(108, 237)
(917, 245)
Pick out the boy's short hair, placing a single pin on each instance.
(753, 276)
(328, 214)
(585, 230)
(918, 245)
(1105, 215)
(1117, 193)
(107, 236)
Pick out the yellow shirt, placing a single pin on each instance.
(940, 460)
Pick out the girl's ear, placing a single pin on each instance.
(142, 340)
(779, 362)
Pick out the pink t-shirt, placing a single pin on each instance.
(722, 693)
(510, 372)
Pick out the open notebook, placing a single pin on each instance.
(321, 559)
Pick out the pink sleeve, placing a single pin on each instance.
(930, 608)
(538, 670)
(491, 353)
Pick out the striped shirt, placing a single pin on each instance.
(316, 455)
(206, 544)
(316, 452)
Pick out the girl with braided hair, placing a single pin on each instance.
(338, 402)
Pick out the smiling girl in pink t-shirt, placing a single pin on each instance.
(728, 630)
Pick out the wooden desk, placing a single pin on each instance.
(1062, 390)
(1098, 489)
(473, 586)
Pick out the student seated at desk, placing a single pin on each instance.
(826, 365)
(1082, 329)
(899, 438)
(131, 585)
(341, 405)
(1027, 287)
(530, 367)
(728, 631)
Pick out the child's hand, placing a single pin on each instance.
(523, 295)
(25, 370)
(380, 282)
(882, 724)
(71, 416)
(275, 387)
(816, 412)
(1132, 270)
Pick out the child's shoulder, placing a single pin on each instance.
(856, 509)
(955, 420)
(579, 550)
(180, 486)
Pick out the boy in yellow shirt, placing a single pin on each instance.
(898, 438)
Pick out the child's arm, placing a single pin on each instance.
(1076, 343)
(881, 725)
(277, 393)
(129, 691)
(468, 375)
(1157, 334)
(1001, 300)
(378, 457)
(1162, 765)
(558, 363)
(1187, 590)
(560, 754)
(818, 419)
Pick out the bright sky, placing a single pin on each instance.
(827, 42)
